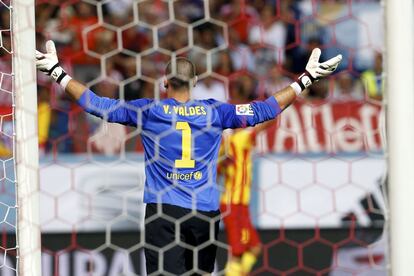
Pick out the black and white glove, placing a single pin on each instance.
(48, 63)
(315, 70)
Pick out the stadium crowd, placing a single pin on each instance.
(264, 45)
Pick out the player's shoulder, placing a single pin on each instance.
(212, 102)
(141, 102)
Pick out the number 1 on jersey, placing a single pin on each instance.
(185, 161)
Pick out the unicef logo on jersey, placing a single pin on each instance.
(197, 175)
(244, 109)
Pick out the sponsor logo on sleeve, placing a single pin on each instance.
(244, 109)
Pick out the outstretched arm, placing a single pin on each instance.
(112, 110)
(261, 111)
(75, 89)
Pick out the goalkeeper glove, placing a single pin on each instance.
(315, 70)
(48, 63)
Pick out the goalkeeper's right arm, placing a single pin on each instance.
(48, 63)
(110, 109)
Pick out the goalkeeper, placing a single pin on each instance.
(181, 140)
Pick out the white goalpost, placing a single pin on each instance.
(26, 139)
(400, 123)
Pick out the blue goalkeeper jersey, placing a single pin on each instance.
(181, 142)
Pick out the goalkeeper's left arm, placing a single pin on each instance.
(261, 111)
(110, 109)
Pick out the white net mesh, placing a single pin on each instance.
(316, 196)
(7, 158)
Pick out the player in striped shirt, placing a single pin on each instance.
(237, 166)
(181, 140)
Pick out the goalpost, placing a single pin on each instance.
(400, 95)
(26, 140)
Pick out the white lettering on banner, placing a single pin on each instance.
(48, 267)
(328, 125)
(47, 264)
(348, 135)
(121, 264)
(89, 264)
(368, 115)
(290, 128)
(262, 143)
(309, 117)
(63, 264)
(85, 263)
(331, 127)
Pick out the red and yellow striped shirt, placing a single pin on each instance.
(237, 166)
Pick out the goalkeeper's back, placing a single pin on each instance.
(181, 142)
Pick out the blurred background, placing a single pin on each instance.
(319, 172)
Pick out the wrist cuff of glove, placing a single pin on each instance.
(304, 81)
(65, 80)
(59, 75)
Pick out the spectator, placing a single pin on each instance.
(136, 88)
(84, 17)
(137, 39)
(5, 152)
(238, 16)
(189, 10)
(347, 88)
(119, 8)
(242, 88)
(206, 36)
(153, 12)
(269, 32)
(108, 86)
(6, 84)
(105, 41)
(210, 88)
(173, 38)
(248, 21)
(6, 88)
(50, 23)
(372, 79)
(225, 65)
(241, 55)
(275, 81)
(44, 114)
(86, 67)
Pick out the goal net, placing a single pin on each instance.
(318, 174)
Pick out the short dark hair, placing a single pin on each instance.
(180, 73)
